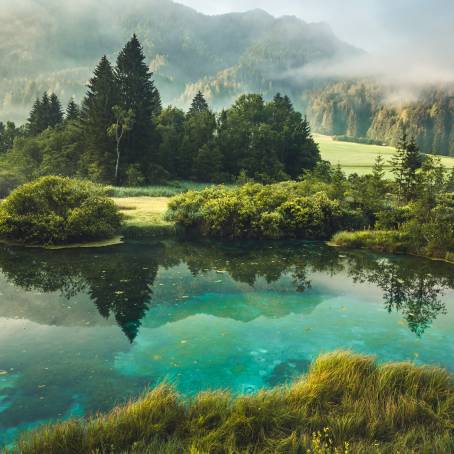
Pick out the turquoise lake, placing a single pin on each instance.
(83, 330)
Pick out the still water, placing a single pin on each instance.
(82, 330)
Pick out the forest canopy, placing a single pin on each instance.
(121, 134)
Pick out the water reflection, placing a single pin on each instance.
(119, 281)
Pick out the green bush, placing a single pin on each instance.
(57, 210)
(389, 241)
(281, 210)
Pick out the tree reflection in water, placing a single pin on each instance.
(120, 280)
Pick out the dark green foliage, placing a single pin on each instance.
(282, 210)
(46, 113)
(55, 210)
(8, 133)
(405, 163)
(345, 404)
(198, 105)
(96, 118)
(138, 94)
(72, 111)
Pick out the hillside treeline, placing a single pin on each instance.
(365, 110)
(121, 134)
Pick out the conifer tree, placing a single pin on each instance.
(55, 113)
(138, 93)
(34, 123)
(97, 116)
(198, 105)
(72, 111)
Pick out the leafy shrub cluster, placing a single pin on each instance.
(368, 408)
(56, 210)
(281, 210)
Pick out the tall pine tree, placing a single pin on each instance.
(198, 105)
(138, 94)
(72, 111)
(55, 114)
(97, 116)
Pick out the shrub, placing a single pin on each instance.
(281, 210)
(56, 210)
(390, 241)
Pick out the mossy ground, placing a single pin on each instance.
(346, 403)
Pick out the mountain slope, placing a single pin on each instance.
(47, 44)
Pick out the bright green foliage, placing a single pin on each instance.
(346, 404)
(55, 210)
(281, 210)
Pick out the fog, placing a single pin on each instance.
(407, 40)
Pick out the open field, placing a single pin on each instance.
(144, 216)
(356, 157)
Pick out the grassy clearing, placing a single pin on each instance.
(169, 190)
(346, 402)
(359, 158)
(144, 217)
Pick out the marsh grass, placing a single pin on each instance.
(346, 404)
(168, 190)
(389, 241)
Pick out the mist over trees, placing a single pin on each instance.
(362, 109)
(122, 135)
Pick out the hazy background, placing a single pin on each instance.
(402, 35)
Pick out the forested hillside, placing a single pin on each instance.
(362, 109)
(51, 45)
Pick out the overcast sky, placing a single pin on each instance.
(374, 25)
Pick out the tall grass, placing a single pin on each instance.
(346, 403)
(170, 190)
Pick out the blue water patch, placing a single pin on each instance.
(82, 331)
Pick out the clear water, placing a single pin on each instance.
(82, 330)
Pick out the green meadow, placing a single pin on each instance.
(357, 157)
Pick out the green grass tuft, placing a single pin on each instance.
(346, 402)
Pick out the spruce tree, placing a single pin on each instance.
(198, 105)
(138, 93)
(33, 124)
(97, 116)
(55, 113)
(72, 111)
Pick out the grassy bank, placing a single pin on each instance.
(346, 401)
(386, 241)
(144, 217)
(359, 158)
(168, 190)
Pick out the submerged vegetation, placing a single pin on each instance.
(57, 210)
(346, 402)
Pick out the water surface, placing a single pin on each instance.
(82, 330)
